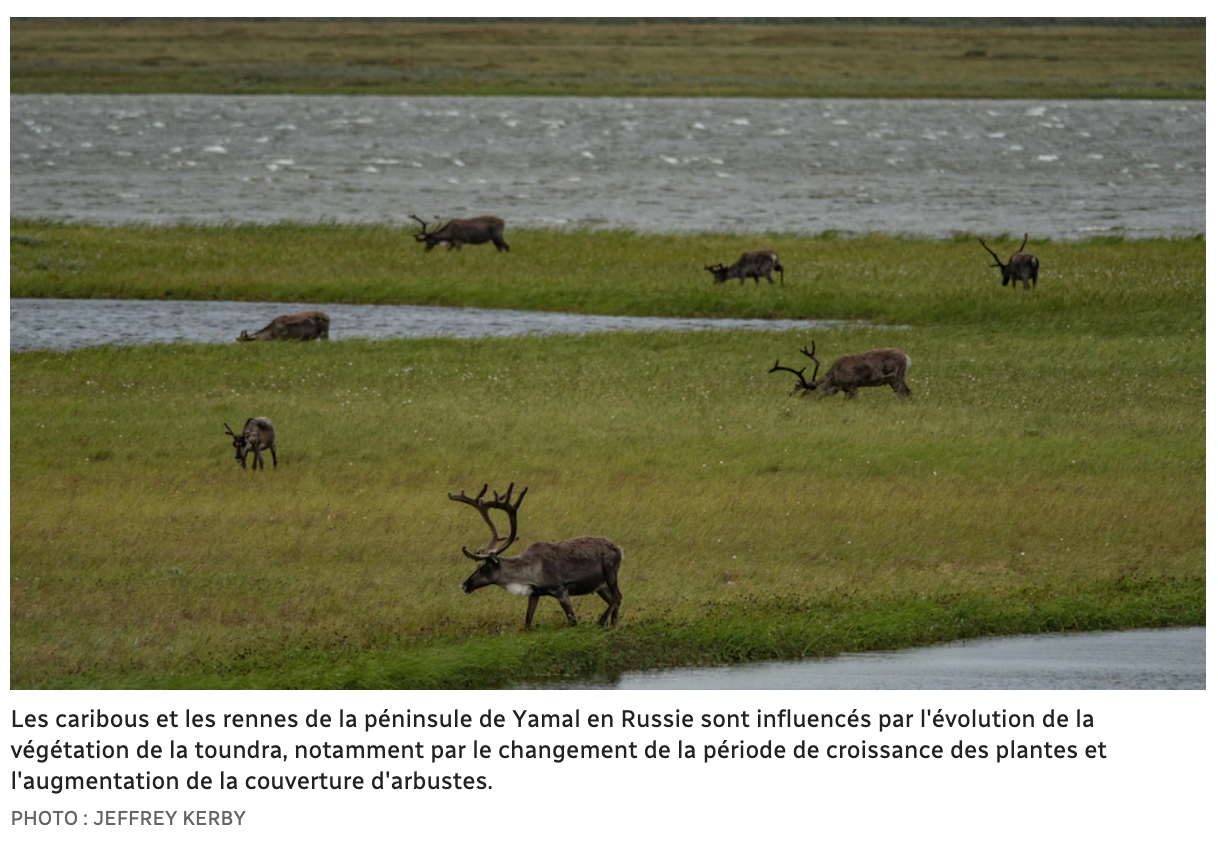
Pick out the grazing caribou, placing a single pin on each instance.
(309, 325)
(1023, 266)
(849, 372)
(257, 434)
(752, 265)
(475, 230)
(559, 569)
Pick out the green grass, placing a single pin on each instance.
(1106, 284)
(787, 59)
(1048, 474)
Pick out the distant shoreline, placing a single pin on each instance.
(1131, 59)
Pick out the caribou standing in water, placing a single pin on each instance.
(849, 372)
(577, 566)
(474, 230)
(1023, 266)
(309, 325)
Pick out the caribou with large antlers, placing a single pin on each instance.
(1023, 266)
(752, 265)
(578, 566)
(849, 372)
(474, 230)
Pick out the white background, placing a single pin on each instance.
(1154, 785)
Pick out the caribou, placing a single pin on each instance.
(849, 372)
(1023, 266)
(475, 230)
(752, 265)
(577, 566)
(258, 434)
(309, 325)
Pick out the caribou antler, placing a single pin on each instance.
(1000, 265)
(812, 354)
(798, 373)
(421, 223)
(1025, 242)
(499, 503)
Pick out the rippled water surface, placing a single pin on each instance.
(1130, 659)
(1056, 169)
(73, 323)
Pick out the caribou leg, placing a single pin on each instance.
(607, 594)
(565, 600)
(528, 616)
(611, 595)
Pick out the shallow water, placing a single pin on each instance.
(1061, 169)
(1132, 659)
(74, 323)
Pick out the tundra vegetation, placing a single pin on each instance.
(1131, 58)
(1048, 474)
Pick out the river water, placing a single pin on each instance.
(1131, 659)
(1060, 169)
(64, 324)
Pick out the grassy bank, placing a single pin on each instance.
(1111, 285)
(1047, 475)
(810, 59)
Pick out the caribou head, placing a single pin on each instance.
(802, 386)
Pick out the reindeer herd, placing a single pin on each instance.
(588, 564)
